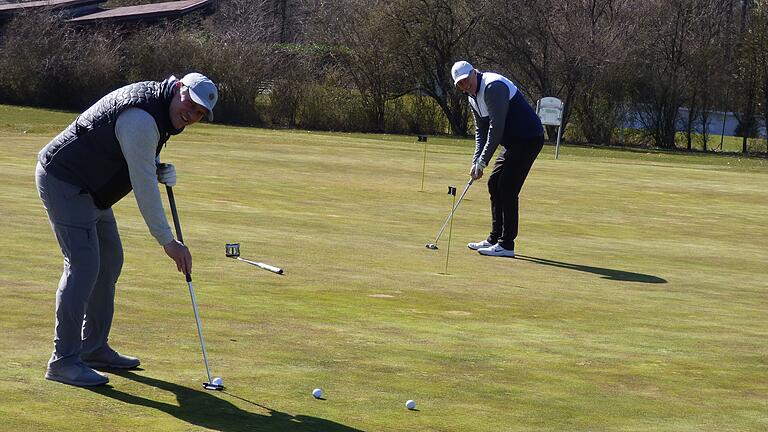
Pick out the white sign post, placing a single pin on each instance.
(550, 111)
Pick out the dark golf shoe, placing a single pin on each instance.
(107, 358)
(77, 375)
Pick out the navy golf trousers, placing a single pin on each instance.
(504, 184)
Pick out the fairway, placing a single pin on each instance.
(638, 302)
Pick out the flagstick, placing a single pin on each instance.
(424, 163)
(452, 191)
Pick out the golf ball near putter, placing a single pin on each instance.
(317, 393)
(410, 404)
(217, 381)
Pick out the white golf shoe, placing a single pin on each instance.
(497, 250)
(479, 245)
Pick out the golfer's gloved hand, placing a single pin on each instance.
(476, 171)
(166, 174)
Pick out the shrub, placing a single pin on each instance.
(415, 114)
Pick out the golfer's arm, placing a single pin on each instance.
(481, 135)
(497, 101)
(137, 133)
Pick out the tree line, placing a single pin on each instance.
(384, 65)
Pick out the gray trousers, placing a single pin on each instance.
(93, 258)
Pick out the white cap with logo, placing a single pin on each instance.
(460, 70)
(202, 90)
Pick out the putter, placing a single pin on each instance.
(208, 385)
(433, 246)
(233, 251)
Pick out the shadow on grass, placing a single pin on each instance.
(209, 410)
(611, 274)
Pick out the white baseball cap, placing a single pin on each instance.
(460, 70)
(202, 90)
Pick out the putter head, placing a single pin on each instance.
(431, 246)
(232, 250)
(211, 386)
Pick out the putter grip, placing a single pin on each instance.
(271, 268)
(176, 223)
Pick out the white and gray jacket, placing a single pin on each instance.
(501, 114)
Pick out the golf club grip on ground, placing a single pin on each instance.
(261, 265)
(176, 223)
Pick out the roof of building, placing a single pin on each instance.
(62, 4)
(147, 11)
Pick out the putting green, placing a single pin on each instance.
(639, 300)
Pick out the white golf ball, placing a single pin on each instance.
(217, 381)
(410, 404)
(317, 393)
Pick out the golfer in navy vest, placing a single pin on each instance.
(503, 118)
(110, 150)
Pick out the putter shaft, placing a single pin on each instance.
(177, 225)
(450, 215)
(199, 329)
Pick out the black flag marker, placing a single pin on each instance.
(452, 190)
(423, 138)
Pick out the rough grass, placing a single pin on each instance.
(638, 301)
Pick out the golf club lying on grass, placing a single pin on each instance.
(211, 384)
(433, 246)
(233, 251)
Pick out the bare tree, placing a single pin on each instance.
(243, 55)
(599, 32)
(365, 50)
(760, 35)
(431, 36)
(551, 48)
(746, 85)
(524, 46)
(660, 62)
(707, 78)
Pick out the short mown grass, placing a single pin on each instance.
(639, 300)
